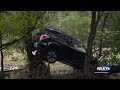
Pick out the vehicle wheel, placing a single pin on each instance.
(52, 56)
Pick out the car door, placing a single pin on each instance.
(78, 53)
(66, 52)
(65, 48)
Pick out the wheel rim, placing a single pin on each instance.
(51, 57)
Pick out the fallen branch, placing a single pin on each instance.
(3, 46)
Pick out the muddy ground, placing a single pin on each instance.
(57, 70)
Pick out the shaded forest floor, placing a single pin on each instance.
(57, 70)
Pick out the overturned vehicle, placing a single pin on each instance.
(52, 45)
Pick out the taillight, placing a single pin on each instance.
(44, 37)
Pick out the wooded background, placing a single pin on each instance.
(98, 30)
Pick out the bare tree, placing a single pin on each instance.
(96, 16)
(101, 36)
(28, 39)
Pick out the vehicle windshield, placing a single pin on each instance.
(79, 46)
(68, 40)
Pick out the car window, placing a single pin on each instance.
(58, 36)
(79, 46)
(53, 34)
(67, 40)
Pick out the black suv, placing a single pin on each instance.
(53, 45)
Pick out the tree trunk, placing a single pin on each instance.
(33, 63)
(28, 41)
(89, 46)
(29, 49)
(94, 23)
(1, 51)
(101, 36)
(100, 47)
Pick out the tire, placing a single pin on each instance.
(51, 56)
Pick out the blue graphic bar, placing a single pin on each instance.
(107, 69)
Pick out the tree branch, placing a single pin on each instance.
(3, 46)
(37, 18)
(35, 24)
(101, 39)
(99, 17)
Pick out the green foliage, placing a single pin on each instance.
(16, 24)
(74, 23)
(110, 39)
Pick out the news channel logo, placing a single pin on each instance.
(103, 69)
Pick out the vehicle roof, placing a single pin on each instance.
(51, 29)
